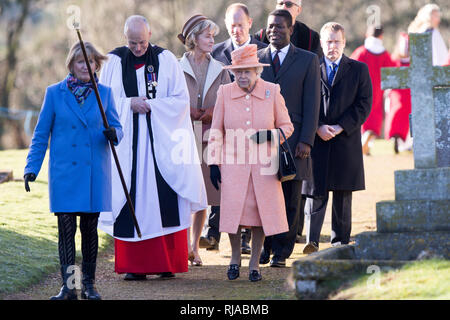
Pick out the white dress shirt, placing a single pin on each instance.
(281, 54)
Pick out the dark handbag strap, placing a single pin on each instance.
(281, 145)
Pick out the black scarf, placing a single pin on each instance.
(168, 198)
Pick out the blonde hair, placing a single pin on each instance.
(422, 22)
(333, 26)
(76, 51)
(198, 29)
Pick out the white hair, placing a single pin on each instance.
(422, 21)
(132, 19)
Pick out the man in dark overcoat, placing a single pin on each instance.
(298, 74)
(337, 158)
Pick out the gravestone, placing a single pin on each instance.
(6, 175)
(418, 220)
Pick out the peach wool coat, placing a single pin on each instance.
(238, 115)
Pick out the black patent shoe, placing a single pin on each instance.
(89, 292)
(167, 275)
(254, 276)
(135, 277)
(66, 294)
(233, 271)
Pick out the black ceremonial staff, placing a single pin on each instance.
(106, 125)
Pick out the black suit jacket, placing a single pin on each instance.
(302, 37)
(299, 79)
(338, 163)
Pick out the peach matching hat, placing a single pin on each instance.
(245, 57)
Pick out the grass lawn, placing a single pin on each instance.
(425, 280)
(28, 231)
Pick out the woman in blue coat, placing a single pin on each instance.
(79, 163)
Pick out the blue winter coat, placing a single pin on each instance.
(80, 161)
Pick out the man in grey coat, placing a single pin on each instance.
(298, 74)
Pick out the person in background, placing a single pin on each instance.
(397, 118)
(79, 163)
(428, 19)
(376, 57)
(248, 109)
(203, 75)
(302, 36)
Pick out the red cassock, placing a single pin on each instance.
(397, 120)
(375, 62)
(167, 253)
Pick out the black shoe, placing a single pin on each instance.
(233, 271)
(265, 257)
(66, 294)
(135, 277)
(88, 291)
(167, 275)
(254, 276)
(277, 262)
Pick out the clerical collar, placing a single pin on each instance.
(235, 45)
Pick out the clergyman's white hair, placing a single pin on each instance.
(133, 18)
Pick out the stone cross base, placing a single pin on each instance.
(422, 202)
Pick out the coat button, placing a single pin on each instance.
(73, 127)
(74, 145)
(74, 163)
(247, 97)
(248, 123)
(247, 109)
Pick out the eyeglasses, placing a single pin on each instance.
(288, 4)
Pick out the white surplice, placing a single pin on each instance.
(174, 143)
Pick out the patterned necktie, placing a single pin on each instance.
(276, 62)
(332, 73)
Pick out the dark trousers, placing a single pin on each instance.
(341, 218)
(67, 228)
(213, 223)
(282, 245)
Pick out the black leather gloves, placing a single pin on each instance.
(214, 175)
(262, 136)
(28, 177)
(111, 134)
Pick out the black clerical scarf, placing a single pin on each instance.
(168, 200)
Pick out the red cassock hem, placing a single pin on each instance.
(167, 253)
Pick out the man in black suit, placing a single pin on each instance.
(337, 157)
(238, 23)
(302, 36)
(298, 74)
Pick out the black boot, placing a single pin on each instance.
(66, 293)
(88, 290)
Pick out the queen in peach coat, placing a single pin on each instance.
(251, 194)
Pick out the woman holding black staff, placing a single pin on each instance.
(79, 165)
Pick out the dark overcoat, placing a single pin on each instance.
(338, 163)
(299, 79)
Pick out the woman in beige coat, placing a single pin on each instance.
(203, 75)
(244, 142)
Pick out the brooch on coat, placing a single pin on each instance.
(267, 94)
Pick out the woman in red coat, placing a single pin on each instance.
(397, 119)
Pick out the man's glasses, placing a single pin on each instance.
(288, 4)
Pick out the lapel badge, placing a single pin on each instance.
(267, 94)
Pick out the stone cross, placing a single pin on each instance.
(430, 97)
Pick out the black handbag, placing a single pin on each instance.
(286, 168)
